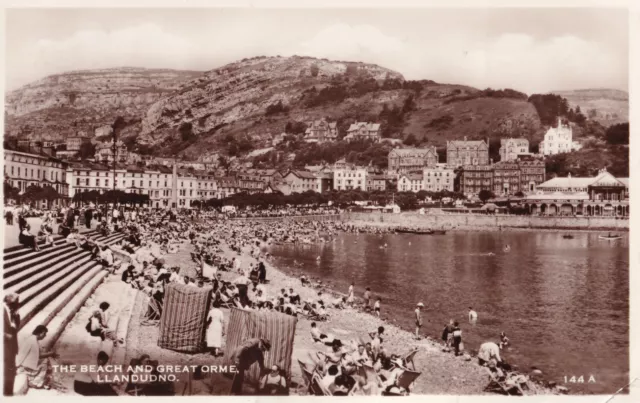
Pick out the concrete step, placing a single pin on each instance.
(57, 325)
(22, 248)
(23, 263)
(15, 258)
(44, 259)
(47, 314)
(46, 291)
(31, 275)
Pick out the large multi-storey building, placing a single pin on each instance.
(439, 178)
(319, 131)
(363, 130)
(403, 160)
(410, 182)
(302, 181)
(532, 173)
(347, 177)
(207, 185)
(376, 182)
(22, 170)
(160, 179)
(558, 140)
(506, 178)
(511, 148)
(474, 178)
(74, 143)
(104, 152)
(467, 153)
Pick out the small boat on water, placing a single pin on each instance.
(439, 232)
(567, 236)
(610, 237)
(414, 231)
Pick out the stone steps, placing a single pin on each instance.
(54, 283)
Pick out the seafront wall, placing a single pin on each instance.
(465, 221)
(479, 221)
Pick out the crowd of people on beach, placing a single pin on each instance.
(356, 366)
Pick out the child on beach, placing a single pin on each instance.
(376, 307)
(367, 297)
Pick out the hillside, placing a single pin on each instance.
(241, 106)
(233, 101)
(607, 106)
(61, 105)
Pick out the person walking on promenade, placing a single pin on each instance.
(11, 327)
(418, 313)
(457, 338)
(250, 352)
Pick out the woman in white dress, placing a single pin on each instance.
(215, 329)
(350, 297)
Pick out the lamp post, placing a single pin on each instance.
(114, 152)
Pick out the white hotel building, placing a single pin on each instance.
(558, 140)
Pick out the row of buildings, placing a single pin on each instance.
(603, 195)
(465, 152)
(320, 131)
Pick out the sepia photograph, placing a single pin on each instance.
(316, 201)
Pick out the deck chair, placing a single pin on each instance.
(316, 387)
(407, 378)
(371, 374)
(408, 358)
(152, 316)
(498, 385)
(307, 376)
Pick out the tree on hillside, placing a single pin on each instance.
(87, 150)
(117, 126)
(276, 108)
(411, 140)
(618, 134)
(295, 127)
(549, 107)
(485, 195)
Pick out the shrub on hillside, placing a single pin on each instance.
(618, 134)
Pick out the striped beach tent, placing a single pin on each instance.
(184, 316)
(276, 327)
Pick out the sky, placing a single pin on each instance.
(530, 50)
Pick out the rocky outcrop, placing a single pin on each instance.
(240, 90)
(62, 104)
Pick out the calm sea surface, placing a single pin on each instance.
(564, 303)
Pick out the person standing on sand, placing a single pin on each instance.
(350, 294)
(376, 307)
(473, 316)
(418, 313)
(367, 298)
(215, 328)
(457, 338)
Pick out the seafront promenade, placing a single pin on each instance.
(486, 222)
